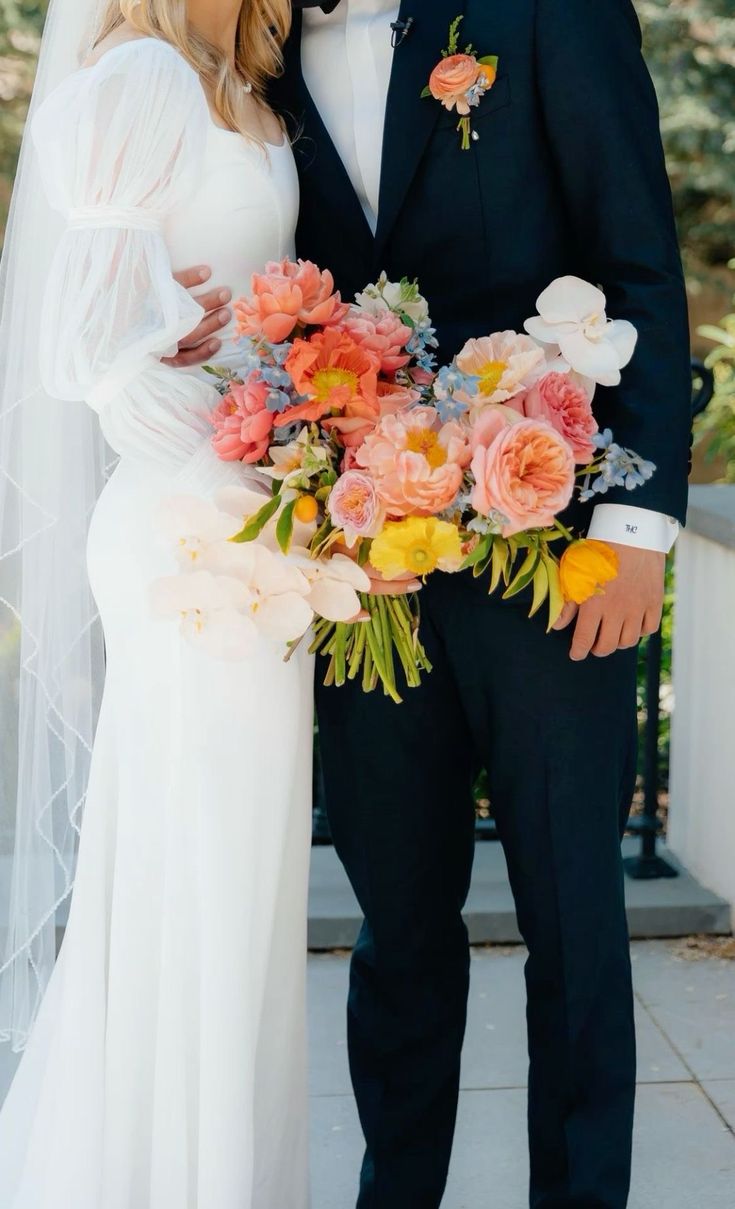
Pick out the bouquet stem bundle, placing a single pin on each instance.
(375, 648)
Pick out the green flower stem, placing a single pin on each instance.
(388, 640)
(357, 653)
(370, 648)
(369, 676)
(340, 653)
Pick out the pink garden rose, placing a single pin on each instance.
(288, 295)
(568, 408)
(489, 424)
(354, 506)
(526, 474)
(242, 423)
(417, 462)
(382, 334)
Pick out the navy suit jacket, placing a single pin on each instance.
(567, 177)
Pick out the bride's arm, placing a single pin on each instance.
(121, 146)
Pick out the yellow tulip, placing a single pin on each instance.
(586, 566)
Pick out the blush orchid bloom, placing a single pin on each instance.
(572, 315)
(209, 608)
(334, 584)
(194, 527)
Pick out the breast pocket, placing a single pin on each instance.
(499, 97)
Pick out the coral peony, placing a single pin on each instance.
(417, 463)
(568, 408)
(361, 416)
(286, 296)
(382, 334)
(333, 373)
(526, 475)
(505, 363)
(242, 423)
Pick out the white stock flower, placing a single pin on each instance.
(391, 296)
(572, 316)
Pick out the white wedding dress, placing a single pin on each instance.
(167, 1066)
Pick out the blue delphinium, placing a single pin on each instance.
(423, 340)
(619, 468)
(449, 382)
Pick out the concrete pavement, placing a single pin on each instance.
(685, 1128)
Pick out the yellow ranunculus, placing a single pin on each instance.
(418, 545)
(585, 567)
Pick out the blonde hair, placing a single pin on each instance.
(262, 30)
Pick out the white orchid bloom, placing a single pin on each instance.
(572, 315)
(277, 592)
(334, 585)
(209, 608)
(285, 617)
(194, 526)
(242, 501)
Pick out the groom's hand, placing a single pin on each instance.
(628, 610)
(201, 344)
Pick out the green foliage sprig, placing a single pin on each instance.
(717, 424)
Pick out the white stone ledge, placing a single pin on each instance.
(712, 514)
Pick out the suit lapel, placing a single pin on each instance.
(410, 120)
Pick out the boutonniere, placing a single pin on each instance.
(461, 80)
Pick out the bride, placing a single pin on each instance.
(166, 1069)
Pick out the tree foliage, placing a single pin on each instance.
(21, 22)
(690, 46)
(717, 425)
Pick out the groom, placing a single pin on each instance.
(566, 177)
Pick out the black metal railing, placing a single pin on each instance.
(648, 864)
(648, 825)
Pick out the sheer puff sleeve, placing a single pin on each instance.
(120, 145)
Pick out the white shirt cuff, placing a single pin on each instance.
(637, 527)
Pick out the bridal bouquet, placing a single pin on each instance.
(317, 377)
(377, 460)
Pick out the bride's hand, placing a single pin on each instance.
(403, 586)
(202, 344)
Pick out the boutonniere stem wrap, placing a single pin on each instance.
(460, 81)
